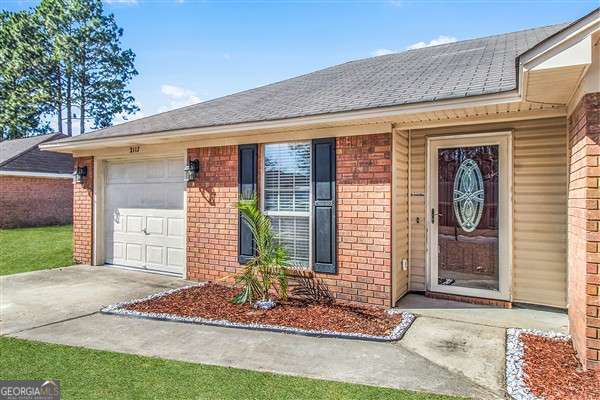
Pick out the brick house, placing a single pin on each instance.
(467, 170)
(35, 186)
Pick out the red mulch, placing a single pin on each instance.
(552, 371)
(213, 301)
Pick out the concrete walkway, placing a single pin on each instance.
(61, 306)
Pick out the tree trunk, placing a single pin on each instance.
(68, 101)
(82, 89)
(82, 112)
(59, 99)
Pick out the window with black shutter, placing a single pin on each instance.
(323, 183)
(247, 177)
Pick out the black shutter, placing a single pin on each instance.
(323, 181)
(247, 176)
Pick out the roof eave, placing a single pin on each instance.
(568, 35)
(33, 146)
(288, 123)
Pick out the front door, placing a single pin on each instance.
(469, 219)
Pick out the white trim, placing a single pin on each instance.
(381, 112)
(504, 140)
(49, 175)
(554, 45)
(563, 39)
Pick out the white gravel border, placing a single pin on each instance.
(515, 385)
(119, 309)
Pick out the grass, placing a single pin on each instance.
(93, 374)
(32, 249)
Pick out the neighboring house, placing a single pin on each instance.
(466, 171)
(35, 186)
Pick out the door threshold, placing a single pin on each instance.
(469, 299)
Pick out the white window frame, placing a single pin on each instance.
(310, 194)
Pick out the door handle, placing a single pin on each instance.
(433, 214)
(145, 231)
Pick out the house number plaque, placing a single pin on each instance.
(134, 149)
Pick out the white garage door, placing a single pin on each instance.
(144, 218)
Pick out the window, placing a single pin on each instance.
(286, 197)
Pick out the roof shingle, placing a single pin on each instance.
(467, 68)
(24, 155)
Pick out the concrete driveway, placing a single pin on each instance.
(61, 306)
(38, 298)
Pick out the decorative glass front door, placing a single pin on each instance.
(468, 217)
(467, 208)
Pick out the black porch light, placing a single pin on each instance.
(79, 174)
(191, 170)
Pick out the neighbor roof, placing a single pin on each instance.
(24, 155)
(454, 70)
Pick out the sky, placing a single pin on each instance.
(189, 51)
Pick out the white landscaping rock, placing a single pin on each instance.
(119, 309)
(515, 384)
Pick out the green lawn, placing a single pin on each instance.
(31, 249)
(92, 374)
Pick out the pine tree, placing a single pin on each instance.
(101, 68)
(63, 55)
(54, 22)
(24, 90)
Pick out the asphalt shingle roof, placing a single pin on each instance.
(454, 70)
(24, 155)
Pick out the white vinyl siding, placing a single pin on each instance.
(286, 197)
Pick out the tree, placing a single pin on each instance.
(24, 91)
(268, 269)
(101, 69)
(54, 22)
(64, 54)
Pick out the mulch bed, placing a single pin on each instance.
(552, 371)
(213, 302)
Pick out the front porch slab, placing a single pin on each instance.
(517, 317)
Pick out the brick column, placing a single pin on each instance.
(83, 213)
(584, 229)
(364, 220)
(212, 219)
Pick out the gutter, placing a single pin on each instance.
(49, 175)
(374, 113)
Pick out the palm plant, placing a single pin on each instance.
(267, 270)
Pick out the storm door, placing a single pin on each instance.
(468, 217)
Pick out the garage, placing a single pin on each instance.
(144, 219)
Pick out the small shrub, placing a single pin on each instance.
(267, 271)
(308, 287)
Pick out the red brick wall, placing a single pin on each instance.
(82, 213)
(363, 218)
(584, 229)
(212, 220)
(31, 201)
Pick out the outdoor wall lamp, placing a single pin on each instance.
(79, 174)
(191, 170)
